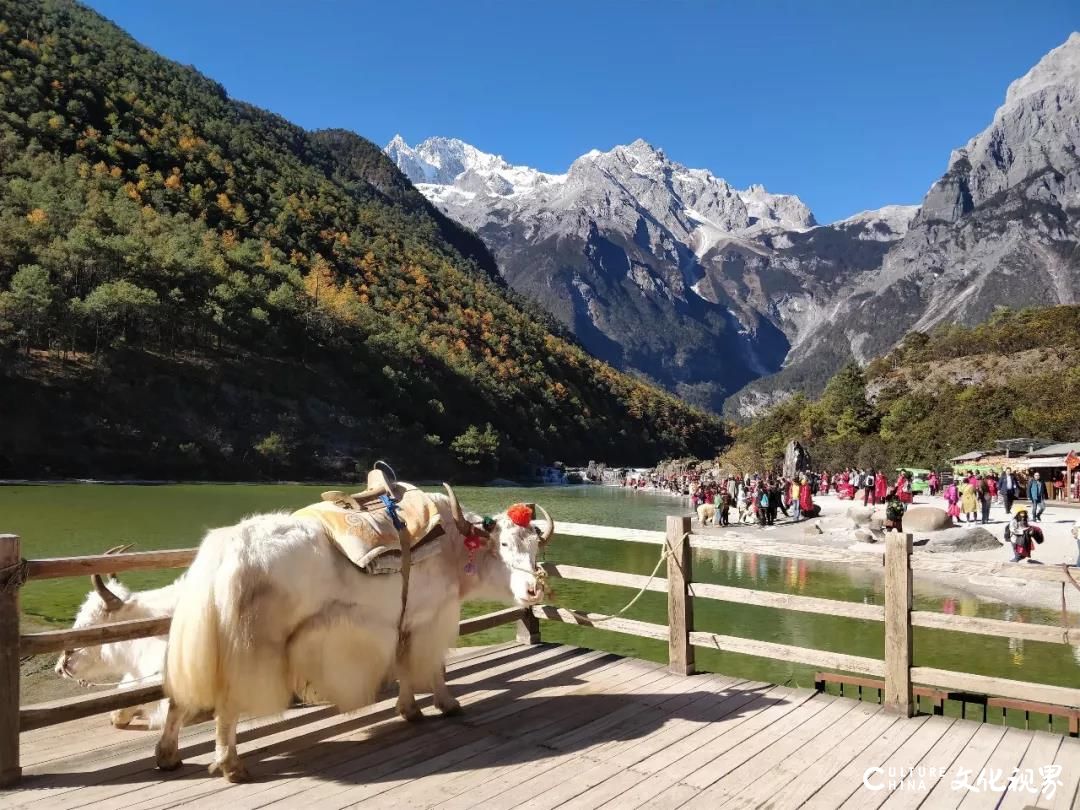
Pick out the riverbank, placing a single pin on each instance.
(1058, 548)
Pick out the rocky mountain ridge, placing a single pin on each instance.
(661, 269)
(674, 274)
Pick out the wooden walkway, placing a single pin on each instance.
(553, 726)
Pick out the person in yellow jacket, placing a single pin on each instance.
(969, 502)
(796, 490)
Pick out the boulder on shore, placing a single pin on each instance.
(961, 538)
(926, 519)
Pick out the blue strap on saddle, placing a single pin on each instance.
(392, 511)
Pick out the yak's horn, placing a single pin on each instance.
(549, 528)
(111, 600)
(455, 509)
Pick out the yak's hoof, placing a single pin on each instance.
(120, 721)
(167, 760)
(451, 709)
(411, 713)
(232, 769)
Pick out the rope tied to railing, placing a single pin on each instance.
(14, 576)
(666, 553)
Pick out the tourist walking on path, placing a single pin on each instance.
(903, 489)
(969, 502)
(867, 484)
(952, 498)
(933, 482)
(881, 487)
(984, 499)
(992, 482)
(796, 510)
(1036, 492)
(806, 499)
(1008, 488)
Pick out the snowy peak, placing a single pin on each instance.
(456, 175)
(1059, 66)
(452, 162)
(885, 224)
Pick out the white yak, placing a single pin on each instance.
(132, 662)
(271, 607)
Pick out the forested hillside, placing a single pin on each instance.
(934, 397)
(191, 286)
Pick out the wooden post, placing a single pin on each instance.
(528, 628)
(680, 609)
(898, 598)
(10, 557)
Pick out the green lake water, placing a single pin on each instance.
(71, 519)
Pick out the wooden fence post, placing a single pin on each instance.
(680, 609)
(10, 581)
(528, 628)
(898, 599)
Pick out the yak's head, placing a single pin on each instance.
(505, 549)
(109, 601)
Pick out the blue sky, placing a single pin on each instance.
(851, 104)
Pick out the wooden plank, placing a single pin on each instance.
(1021, 690)
(751, 738)
(773, 548)
(995, 627)
(381, 726)
(532, 723)
(997, 770)
(602, 622)
(609, 532)
(971, 759)
(939, 758)
(604, 577)
(501, 658)
(898, 698)
(788, 652)
(788, 601)
(804, 773)
(57, 640)
(39, 715)
(54, 567)
(756, 761)
(10, 559)
(483, 767)
(848, 780)
(1067, 794)
(680, 608)
(527, 628)
(494, 773)
(1040, 753)
(661, 771)
(488, 620)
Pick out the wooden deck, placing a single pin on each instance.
(554, 726)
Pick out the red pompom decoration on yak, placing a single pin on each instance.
(521, 515)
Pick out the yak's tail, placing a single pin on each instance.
(192, 660)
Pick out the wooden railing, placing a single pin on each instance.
(14, 572)
(896, 614)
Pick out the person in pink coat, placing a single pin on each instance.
(952, 498)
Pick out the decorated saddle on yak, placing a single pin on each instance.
(369, 527)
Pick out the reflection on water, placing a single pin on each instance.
(93, 518)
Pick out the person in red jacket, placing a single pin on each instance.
(881, 486)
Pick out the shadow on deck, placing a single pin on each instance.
(548, 726)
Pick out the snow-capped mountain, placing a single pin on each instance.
(1000, 228)
(628, 248)
(676, 274)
